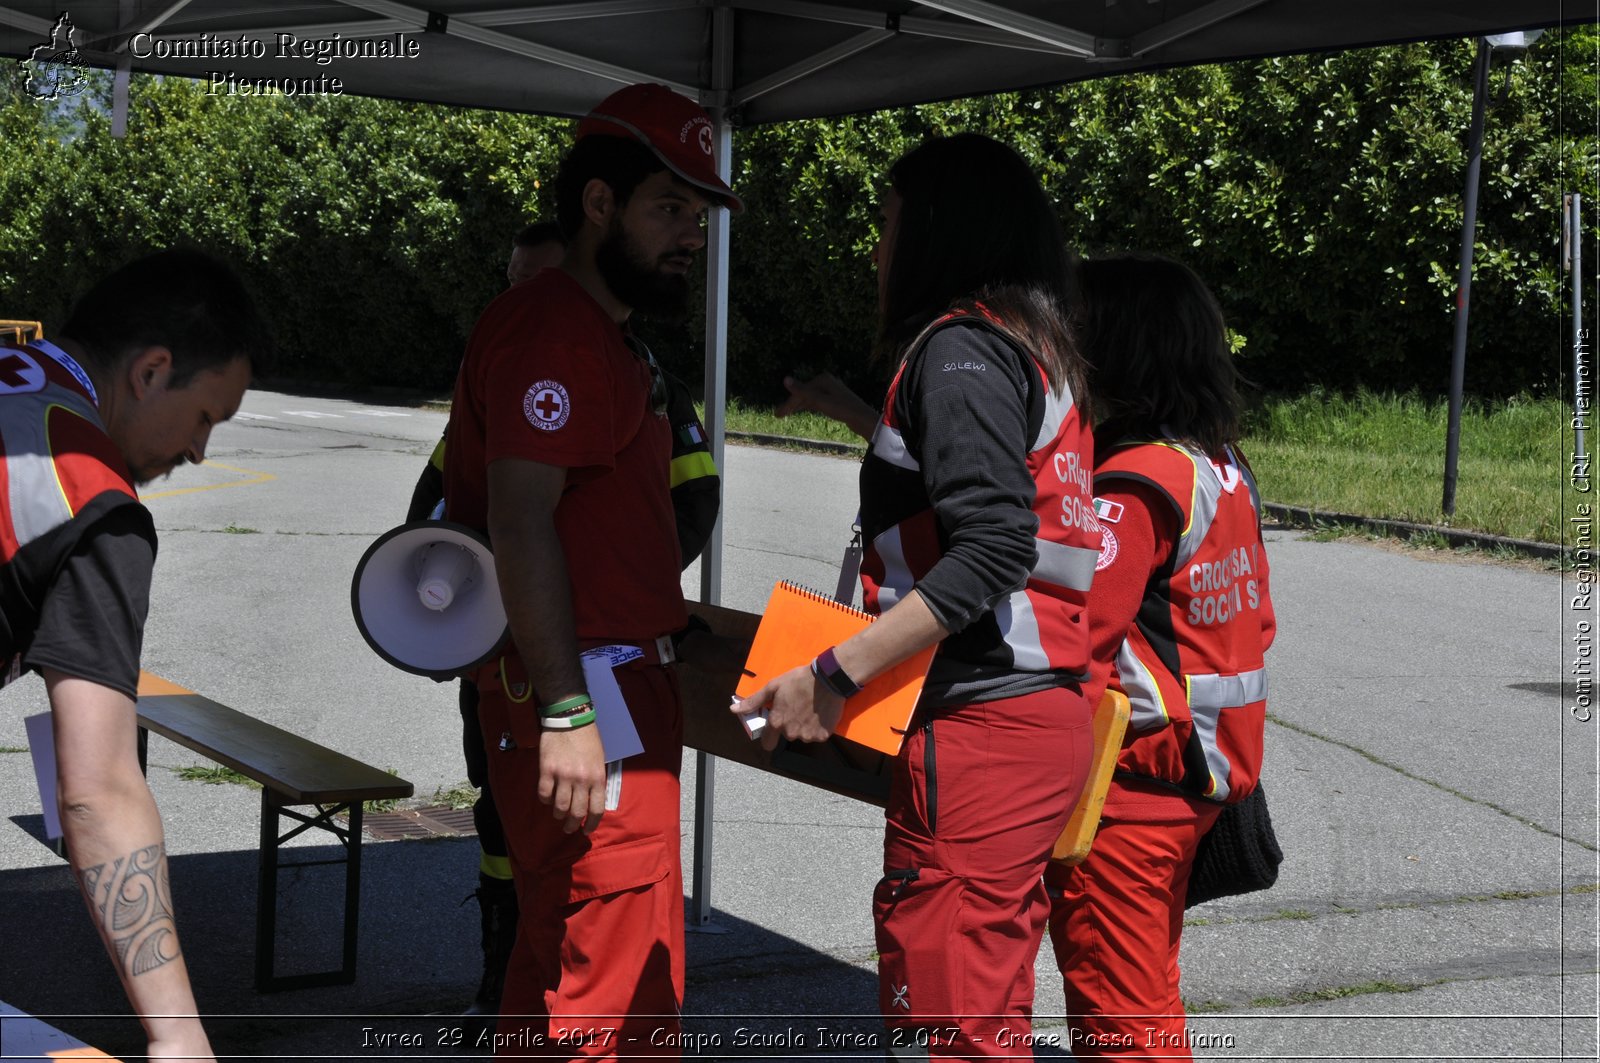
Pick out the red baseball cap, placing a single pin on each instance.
(676, 128)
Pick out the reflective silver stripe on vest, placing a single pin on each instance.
(1202, 508)
(1227, 691)
(1065, 566)
(889, 445)
(1057, 405)
(1019, 627)
(896, 573)
(1205, 728)
(1146, 710)
(1209, 697)
(37, 501)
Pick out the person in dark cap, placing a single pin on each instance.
(559, 448)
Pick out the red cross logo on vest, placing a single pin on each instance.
(19, 373)
(546, 405)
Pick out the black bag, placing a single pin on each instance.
(1239, 854)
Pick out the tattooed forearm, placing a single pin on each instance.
(133, 901)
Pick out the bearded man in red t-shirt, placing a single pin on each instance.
(558, 448)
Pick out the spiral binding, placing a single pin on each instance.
(826, 599)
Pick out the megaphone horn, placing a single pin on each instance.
(426, 599)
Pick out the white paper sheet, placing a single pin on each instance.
(42, 744)
(617, 732)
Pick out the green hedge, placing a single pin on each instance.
(1320, 195)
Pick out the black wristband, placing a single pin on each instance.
(826, 668)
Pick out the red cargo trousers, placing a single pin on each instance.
(1115, 922)
(597, 969)
(978, 797)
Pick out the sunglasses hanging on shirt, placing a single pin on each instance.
(658, 383)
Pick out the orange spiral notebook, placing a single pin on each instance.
(798, 624)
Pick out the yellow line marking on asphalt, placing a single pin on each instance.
(259, 478)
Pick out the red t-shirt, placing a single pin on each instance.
(547, 377)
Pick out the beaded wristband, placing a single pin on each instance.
(826, 668)
(568, 723)
(577, 701)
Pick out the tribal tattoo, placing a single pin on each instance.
(133, 899)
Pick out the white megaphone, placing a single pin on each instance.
(426, 599)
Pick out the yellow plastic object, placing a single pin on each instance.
(19, 332)
(1110, 722)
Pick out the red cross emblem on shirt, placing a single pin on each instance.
(546, 405)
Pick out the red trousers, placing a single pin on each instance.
(597, 969)
(1115, 922)
(977, 800)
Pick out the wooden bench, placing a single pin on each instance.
(292, 771)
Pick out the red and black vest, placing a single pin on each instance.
(59, 472)
(1039, 626)
(1192, 665)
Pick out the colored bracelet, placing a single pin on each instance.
(568, 723)
(565, 705)
(826, 669)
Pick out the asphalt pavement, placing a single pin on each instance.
(1431, 777)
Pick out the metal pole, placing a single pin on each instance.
(119, 83)
(716, 396)
(1469, 227)
(1580, 377)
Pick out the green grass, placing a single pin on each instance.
(1383, 456)
(762, 420)
(462, 795)
(213, 775)
(1372, 455)
(234, 529)
(13, 749)
(1317, 996)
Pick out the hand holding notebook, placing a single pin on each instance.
(798, 625)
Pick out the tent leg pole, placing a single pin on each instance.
(1580, 375)
(716, 399)
(1469, 228)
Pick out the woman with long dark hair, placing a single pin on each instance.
(1180, 619)
(979, 536)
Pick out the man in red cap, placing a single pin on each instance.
(559, 449)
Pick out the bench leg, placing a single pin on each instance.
(352, 891)
(273, 809)
(267, 892)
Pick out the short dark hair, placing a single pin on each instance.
(540, 232)
(975, 224)
(1158, 355)
(621, 162)
(184, 300)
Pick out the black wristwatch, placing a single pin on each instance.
(826, 668)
